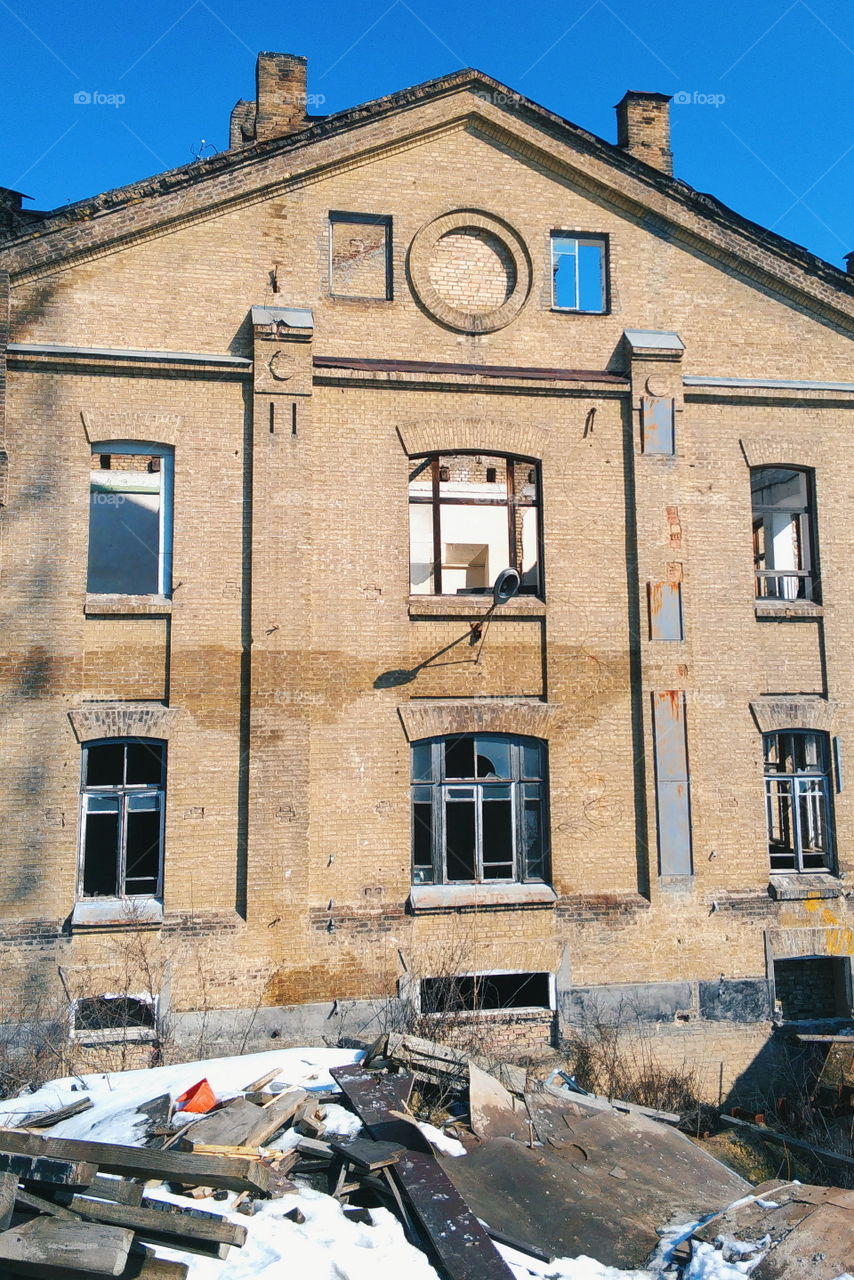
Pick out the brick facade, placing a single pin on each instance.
(288, 669)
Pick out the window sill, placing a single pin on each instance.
(474, 606)
(576, 311)
(803, 886)
(112, 913)
(451, 897)
(788, 609)
(115, 1035)
(125, 606)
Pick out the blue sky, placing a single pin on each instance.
(761, 118)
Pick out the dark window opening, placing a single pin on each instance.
(474, 992)
(478, 805)
(470, 516)
(784, 552)
(797, 801)
(113, 1013)
(123, 802)
(812, 989)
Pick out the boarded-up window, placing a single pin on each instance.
(673, 805)
(359, 255)
(129, 520)
(665, 610)
(659, 429)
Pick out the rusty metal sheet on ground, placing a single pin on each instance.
(821, 1247)
(463, 1248)
(493, 1111)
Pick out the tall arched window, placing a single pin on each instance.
(470, 516)
(784, 543)
(123, 795)
(478, 809)
(797, 800)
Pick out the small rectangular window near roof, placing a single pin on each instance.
(129, 521)
(359, 255)
(579, 273)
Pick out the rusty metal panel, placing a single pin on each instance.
(672, 787)
(658, 420)
(665, 610)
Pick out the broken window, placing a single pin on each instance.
(478, 809)
(476, 992)
(114, 1017)
(124, 784)
(579, 272)
(783, 534)
(359, 255)
(812, 988)
(130, 522)
(470, 516)
(797, 801)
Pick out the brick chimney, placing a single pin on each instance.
(643, 128)
(280, 94)
(849, 262)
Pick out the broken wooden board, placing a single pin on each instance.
(39, 1170)
(107, 1186)
(493, 1112)
(83, 1246)
(8, 1191)
(141, 1265)
(162, 1223)
(368, 1154)
(44, 1119)
(226, 1127)
(463, 1248)
(599, 1188)
(231, 1172)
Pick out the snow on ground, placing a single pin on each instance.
(328, 1245)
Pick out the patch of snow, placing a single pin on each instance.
(340, 1122)
(440, 1140)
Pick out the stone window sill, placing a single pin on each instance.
(452, 897)
(474, 606)
(803, 887)
(117, 913)
(788, 609)
(126, 606)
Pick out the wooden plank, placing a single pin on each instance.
(67, 1173)
(368, 1154)
(258, 1084)
(315, 1147)
(154, 1218)
(141, 1265)
(227, 1127)
(463, 1248)
(8, 1190)
(110, 1187)
(231, 1172)
(44, 1119)
(784, 1140)
(39, 1205)
(85, 1246)
(274, 1116)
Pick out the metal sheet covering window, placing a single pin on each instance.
(797, 801)
(470, 516)
(478, 809)
(123, 795)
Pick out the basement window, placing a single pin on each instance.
(797, 801)
(783, 534)
(579, 272)
(113, 1018)
(130, 519)
(478, 810)
(812, 988)
(360, 255)
(470, 516)
(486, 992)
(122, 801)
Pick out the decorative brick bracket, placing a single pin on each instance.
(282, 350)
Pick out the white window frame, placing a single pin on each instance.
(166, 455)
(579, 238)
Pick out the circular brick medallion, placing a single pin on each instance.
(470, 270)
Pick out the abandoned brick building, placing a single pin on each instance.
(276, 422)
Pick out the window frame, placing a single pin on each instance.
(600, 238)
(521, 788)
(339, 217)
(808, 577)
(122, 792)
(800, 785)
(166, 454)
(419, 462)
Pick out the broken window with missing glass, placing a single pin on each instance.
(478, 809)
(130, 519)
(122, 803)
(797, 799)
(470, 516)
(783, 534)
